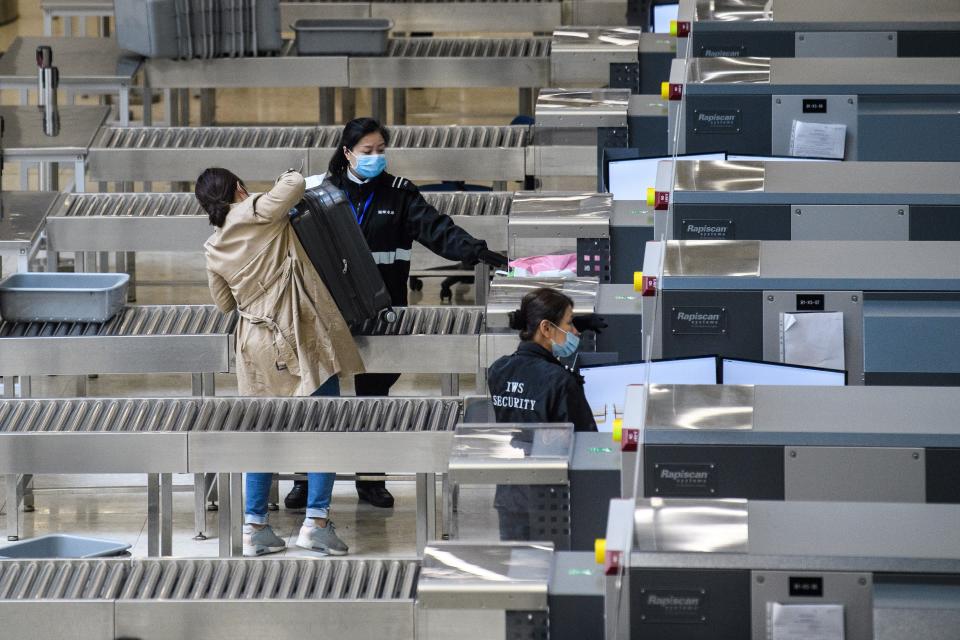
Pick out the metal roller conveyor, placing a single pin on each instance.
(203, 598)
(139, 339)
(437, 17)
(182, 153)
(424, 339)
(260, 153)
(227, 436)
(175, 221)
(489, 153)
(408, 62)
(460, 62)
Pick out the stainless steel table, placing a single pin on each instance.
(22, 216)
(24, 141)
(86, 65)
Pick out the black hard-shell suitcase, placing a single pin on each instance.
(331, 237)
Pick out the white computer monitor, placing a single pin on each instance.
(605, 385)
(662, 15)
(738, 371)
(630, 179)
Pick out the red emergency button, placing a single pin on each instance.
(648, 287)
(661, 200)
(671, 91)
(611, 563)
(679, 28)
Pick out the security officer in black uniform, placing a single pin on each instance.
(392, 214)
(532, 385)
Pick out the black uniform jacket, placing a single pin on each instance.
(533, 386)
(392, 215)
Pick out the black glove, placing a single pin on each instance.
(494, 259)
(590, 322)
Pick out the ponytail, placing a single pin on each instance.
(537, 306)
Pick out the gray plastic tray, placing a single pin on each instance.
(62, 297)
(342, 36)
(60, 545)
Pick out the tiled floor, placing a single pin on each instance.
(114, 507)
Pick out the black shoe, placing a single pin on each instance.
(376, 495)
(296, 500)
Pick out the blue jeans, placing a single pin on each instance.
(319, 485)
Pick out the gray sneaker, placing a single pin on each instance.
(322, 539)
(258, 542)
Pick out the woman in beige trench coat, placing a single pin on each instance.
(291, 338)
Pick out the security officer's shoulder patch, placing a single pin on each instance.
(403, 184)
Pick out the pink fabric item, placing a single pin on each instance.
(535, 265)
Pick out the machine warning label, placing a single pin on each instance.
(707, 230)
(716, 121)
(673, 605)
(685, 479)
(698, 320)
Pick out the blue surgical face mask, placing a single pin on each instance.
(568, 348)
(370, 166)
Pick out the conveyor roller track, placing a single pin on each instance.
(441, 321)
(469, 48)
(142, 415)
(133, 321)
(209, 579)
(89, 205)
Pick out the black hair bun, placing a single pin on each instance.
(516, 321)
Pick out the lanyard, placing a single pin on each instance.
(363, 212)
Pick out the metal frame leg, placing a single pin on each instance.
(200, 506)
(13, 499)
(184, 107)
(378, 104)
(53, 260)
(124, 106)
(327, 105)
(481, 284)
(526, 101)
(132, 272)
(273, 501)
(153, 515)
(80, 175)
(400, 106)
(170, 108)
(47, 176)
(426, 510)
(208, 107)
(166, 514)
(231, 533)
(26, 387)
(26, 485)
(450, 384)
(348, 104)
